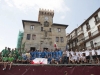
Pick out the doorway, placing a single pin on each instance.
(45, 49)
(32, 48)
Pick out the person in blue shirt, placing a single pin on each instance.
(49, 59)
(43, 54)
(49, 53)
(56, 53)
(60, 52)
(35, 53)
(31, 54)
(46, 53)
(39, 54)
(52, 54)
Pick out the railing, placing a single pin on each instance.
(80, 32)
(92, 34)
(74, 36)
(87, 37)
(89, 47)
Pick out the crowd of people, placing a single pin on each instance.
(57, 56)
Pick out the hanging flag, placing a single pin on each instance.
(55, 45)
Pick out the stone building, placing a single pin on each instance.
(43, 34)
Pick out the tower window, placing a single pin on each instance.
(46, 24)
(32, 27)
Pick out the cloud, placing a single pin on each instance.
(9, 3)
(56, 5)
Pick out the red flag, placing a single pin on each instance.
(55, 45)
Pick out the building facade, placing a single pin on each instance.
(43, 34)
(87, 35)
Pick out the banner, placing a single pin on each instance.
(39, 61)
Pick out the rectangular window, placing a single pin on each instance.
(62, 39)
(41, 28)
(96, 18)
(91, 43)
(87, 26)
(57, 39)
(89, 34)
(99, 28)
(50, 29)
(32, 27)
(33, 37)
(28, 36)
(59, 29)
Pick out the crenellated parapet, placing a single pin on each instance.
(46, 12)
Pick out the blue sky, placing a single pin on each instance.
(12, 12)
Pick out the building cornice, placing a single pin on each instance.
(29, 21)
(55, 24)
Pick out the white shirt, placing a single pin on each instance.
(76, 53)
(83, 58)
(67, 53)
(87, 52)
(71, 52)
(75, 57)
(93, 52)
(98, 52)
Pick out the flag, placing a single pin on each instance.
(55, 45)
(39, 61)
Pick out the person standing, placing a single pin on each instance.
(64, 57)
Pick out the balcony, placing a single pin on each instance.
(80, 41)
(93, 35)
(74, 36)
(80, 32)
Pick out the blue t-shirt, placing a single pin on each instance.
(56, 54)
(39, 54)
(43, 54)
(49, 59)
(53, 54)
(60, 53)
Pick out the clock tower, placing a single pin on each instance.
(45, 17)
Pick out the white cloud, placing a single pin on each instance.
(56, 5)
(9, 3)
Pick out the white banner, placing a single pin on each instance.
(39, 61)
